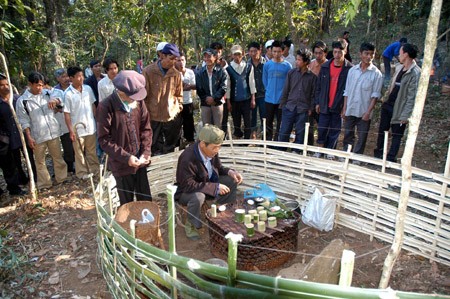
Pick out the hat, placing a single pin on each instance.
(211, 134)
(160, 46)
(131, 83)
(171, 49)
(268, 43)
(210, 51)
(236, 49)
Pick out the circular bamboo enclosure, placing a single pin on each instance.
(366, 196)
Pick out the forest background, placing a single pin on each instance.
(45, 34)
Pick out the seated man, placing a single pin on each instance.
(201, 175)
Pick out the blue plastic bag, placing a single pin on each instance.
(260, 190)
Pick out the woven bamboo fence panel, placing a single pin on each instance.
(367, 198)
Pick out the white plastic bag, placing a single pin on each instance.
(319, 212)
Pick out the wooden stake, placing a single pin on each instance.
(32, 184)
(347, 265)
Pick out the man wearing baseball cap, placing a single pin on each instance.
(159, 48)
(164, 100)
(125, 134)
(201, 175)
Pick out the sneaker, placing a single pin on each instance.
(317, 155)
(191, 231)
(330, 157)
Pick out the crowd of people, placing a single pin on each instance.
(132, 116)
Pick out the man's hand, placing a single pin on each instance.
(53, 102)
(366, 116)
(144, 160)
(133, 161)
(236, 176)
(31, 142)
(318, 109)
(229, 105)
(72, 136)
(253, 103)
(209, 100)
(223, 189)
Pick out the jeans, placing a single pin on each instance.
(329, 129)
(241, 110)
(260, 105)
(362, 128)
(272, 111)
(288, 120)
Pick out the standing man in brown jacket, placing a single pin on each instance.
(125, 134)
(164, 100)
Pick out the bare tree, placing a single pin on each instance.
(414, 122)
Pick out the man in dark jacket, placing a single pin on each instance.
(125, 134)
(201, 175)
(211, 99)
(329, 97)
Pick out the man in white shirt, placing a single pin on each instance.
(188, 78)
(362, 90)
(36, 113)
(241, 92)
(287, 55)
(58, 92)
(79, 115)
(105, 85)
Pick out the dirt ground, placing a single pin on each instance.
(54, 239)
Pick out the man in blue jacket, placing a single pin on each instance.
(389, 53)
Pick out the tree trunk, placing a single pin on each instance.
(50, 12)
(32, 185)
(414, 122)
(290, 22)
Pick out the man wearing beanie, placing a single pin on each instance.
(125, 134)
(201, 175)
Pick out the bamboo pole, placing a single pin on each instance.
(133, 255)
(440, 210)
(32, 184)
(171, 189)
(414, 122)
(233, 240)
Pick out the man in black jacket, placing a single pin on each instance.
(329, 97)
(211, 98)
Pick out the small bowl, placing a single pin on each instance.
(222, 208)
(292, 205)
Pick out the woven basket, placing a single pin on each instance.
(147, 232)
(281, 247)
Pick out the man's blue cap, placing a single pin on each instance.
(171, 49)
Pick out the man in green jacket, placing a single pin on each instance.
(398, 107)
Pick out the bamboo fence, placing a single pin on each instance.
(367, 198)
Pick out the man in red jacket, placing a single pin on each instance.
(201, 175)
(125, 134)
